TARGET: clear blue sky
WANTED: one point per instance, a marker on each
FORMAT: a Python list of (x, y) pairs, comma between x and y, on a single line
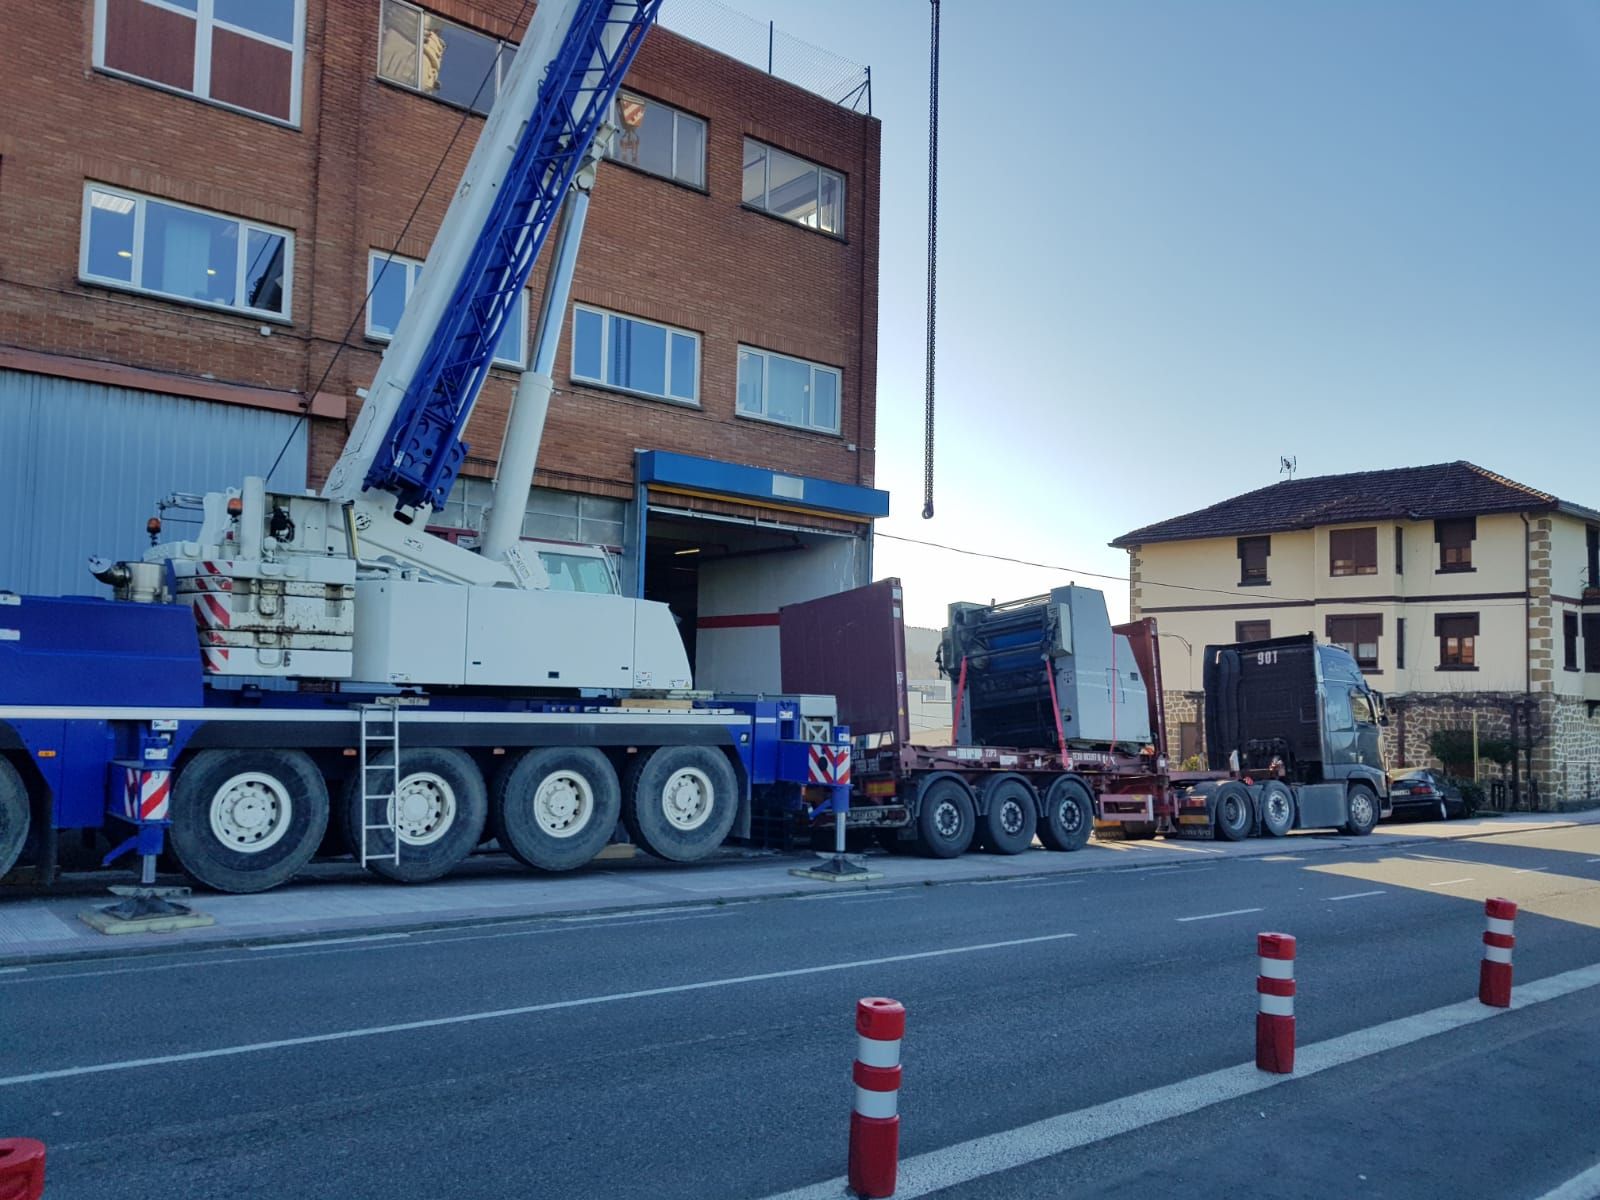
[(1181, 238)]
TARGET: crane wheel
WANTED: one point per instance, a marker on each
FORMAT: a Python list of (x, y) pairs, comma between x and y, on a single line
[(14, 817), (556, 808), (247, 820), (680, 802)]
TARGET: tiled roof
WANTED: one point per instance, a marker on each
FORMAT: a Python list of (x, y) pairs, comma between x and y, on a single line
[(1457, 489)]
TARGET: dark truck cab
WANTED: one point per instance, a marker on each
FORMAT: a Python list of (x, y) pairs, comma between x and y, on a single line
[(1298, 725)]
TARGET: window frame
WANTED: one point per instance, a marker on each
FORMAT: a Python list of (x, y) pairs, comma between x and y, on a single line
[(1240, 629), (141, 201), (1445, 533), (1466, 652), (766, 189), (678, 114), (1569, 641), (412, 267), (1243, 546), (766, 361), (1399, 643), (1399, 550), (416, 89), (205, 19), (1354, 644), (1358, 565), (605, 315)]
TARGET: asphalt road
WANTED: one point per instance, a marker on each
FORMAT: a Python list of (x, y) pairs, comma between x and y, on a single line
[(705, 1052)]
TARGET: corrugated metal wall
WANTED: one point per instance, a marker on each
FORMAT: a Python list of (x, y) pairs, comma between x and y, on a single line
[(82, 466)]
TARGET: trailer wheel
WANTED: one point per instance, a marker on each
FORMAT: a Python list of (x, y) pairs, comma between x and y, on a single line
[(1277, 808), (247, 820), (555, 809), (1010, 818), (439, 813), (1068, 815), (679, 802), (1362, 808), (14, 817), (945, 818), (1231, 812)]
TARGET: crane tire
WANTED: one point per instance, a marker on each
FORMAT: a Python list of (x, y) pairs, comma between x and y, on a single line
[(555, 808), (443, 807), (14, 817), (247, 820), (680, 802)]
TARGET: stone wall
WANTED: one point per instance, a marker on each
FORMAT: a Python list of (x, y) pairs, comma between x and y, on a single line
[(1184, 707)]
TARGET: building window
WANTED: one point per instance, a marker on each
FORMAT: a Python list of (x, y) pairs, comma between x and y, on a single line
[(1359, 636), (1455, 543), (1253, 555), (1591, 643), (635, 356), (1252, 631), (1399, 550), (1188, 740), (791, 391), (390, 282), (792, 188), (1399, 643), (1592, 579), (1569, 640), (246, 54), (1353, 551), (1458, 636), (172, 250), (439, 58), (659, 139)]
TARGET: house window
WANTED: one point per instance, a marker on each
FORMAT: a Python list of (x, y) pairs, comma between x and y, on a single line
[(1592, 580), (635, 356), (1399, 550), (1591, 643), (1569, 640), (246, 54), (1253, 554), (1359, 636), (791, 391), (439, 58), (1399, 643), (1353, 551), (1455, 543), (390, 282), (1252, 631), (659, 139), (793, 188), (1188, 740), (1458, 636), (147, 245)]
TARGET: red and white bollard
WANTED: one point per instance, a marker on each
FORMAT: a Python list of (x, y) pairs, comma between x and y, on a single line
[(1275, 1003), (1494, 973), (21, 1169), (875, 1121)]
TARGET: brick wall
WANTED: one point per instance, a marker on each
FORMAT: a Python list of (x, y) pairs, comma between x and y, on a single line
[(348, 179)]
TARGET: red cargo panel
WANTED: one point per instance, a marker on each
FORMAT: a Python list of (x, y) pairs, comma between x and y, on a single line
[(851, 646)]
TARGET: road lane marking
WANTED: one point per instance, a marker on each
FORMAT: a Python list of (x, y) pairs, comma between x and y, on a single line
[(1450, 882), (1044, 883), (936, 1170), (495, 1014), (1357, 895), (1579, 1187), (1529, 870), (337, 941), (855, 891), (1232, 912), (1564, 897), (637, 912), (993, 882), (12, 970)]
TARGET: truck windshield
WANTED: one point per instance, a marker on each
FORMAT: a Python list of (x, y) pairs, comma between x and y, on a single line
[(578, 573)]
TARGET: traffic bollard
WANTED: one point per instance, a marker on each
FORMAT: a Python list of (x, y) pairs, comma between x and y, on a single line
[(1275, 1003), (875, 1120), (21, 1169), (1494, 972)]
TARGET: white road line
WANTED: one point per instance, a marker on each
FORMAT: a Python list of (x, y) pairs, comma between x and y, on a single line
[(1579, 1187), (1448, 882), (1592, 860), (344, 1035), (994, 882), (638, 912), (12, 970), (1232, 912), (924, 1174), (1051, 883), (1358, 895), (855, 891), (1528, 870), (337, 941)]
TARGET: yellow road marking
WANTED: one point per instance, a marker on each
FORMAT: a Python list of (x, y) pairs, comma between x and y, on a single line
[(1564, 897)]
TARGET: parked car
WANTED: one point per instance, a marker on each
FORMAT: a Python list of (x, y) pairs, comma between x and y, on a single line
[(1424, 791)]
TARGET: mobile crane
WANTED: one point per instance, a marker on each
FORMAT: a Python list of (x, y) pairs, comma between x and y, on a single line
[(443, 695)]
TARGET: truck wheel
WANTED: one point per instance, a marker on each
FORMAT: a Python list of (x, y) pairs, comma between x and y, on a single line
[(945, 819), (1362, 808), (1008, 825), (1277, 808), (679, 802), (1231, 812), (247, 820), (14, 817), (439, 813), (1068, 815), (555, 809)]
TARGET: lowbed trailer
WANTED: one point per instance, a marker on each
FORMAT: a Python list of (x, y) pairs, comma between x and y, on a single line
[(108, 725)]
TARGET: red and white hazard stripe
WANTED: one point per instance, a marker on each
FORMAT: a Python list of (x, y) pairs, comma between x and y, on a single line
[(828, 764), (1275, 1003), (875, 1120), (147, 795), (1494, 972)]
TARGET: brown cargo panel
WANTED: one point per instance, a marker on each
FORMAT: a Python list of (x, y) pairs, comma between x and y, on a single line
[(851, 646)]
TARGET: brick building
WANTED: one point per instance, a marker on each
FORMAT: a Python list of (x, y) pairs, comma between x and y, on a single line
[(197, 195)]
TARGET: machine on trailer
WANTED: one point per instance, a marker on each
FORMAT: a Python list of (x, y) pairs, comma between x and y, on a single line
[(351, 663)]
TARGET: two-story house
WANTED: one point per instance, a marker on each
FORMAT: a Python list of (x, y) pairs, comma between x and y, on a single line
[(1467, 598)]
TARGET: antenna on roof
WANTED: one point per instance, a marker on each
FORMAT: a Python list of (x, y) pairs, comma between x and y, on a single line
[(1288, 466)]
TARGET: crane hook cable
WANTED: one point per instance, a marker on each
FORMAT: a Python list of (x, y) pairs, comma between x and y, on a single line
[(933, 247)]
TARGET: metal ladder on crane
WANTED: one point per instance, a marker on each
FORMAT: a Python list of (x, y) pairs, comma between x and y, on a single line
[(373, 718)]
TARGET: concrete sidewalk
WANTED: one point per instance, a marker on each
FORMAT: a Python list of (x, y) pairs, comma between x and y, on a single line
[(339, 898)]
